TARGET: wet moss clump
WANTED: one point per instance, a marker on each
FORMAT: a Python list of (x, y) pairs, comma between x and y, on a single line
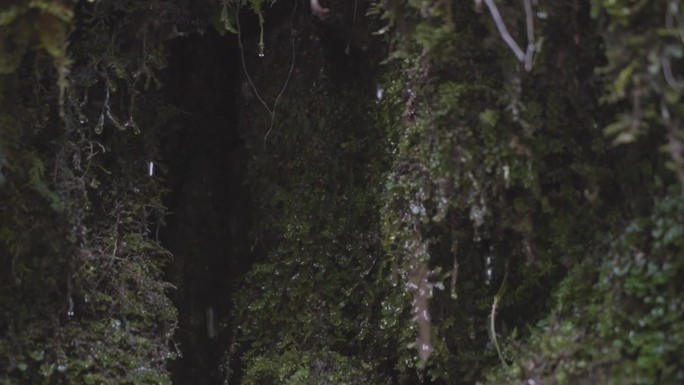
[(305, 312), (83, 299), (497, 181)]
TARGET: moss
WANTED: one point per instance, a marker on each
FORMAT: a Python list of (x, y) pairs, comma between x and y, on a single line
[(83, 296), (616, 323), (299, 368)]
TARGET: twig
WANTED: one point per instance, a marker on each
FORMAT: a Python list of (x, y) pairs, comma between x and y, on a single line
[(271, 111), (244, 66), (492, 316), (523, 57), (492, 331), (289, 74), (501, 26)]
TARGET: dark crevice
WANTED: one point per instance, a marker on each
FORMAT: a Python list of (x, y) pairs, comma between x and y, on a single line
[(209, 203)]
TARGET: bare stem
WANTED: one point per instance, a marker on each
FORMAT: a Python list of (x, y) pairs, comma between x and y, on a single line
[(503, 31)]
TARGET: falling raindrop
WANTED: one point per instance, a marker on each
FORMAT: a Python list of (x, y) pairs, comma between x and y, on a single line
[(379, 93), (70, 311), (542, 15), (100, 124), (489, 266), (506, 174), (150, 168)]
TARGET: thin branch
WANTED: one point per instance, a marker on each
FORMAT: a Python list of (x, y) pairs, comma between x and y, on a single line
[(271, 111), (523, 57), (529, 16), (289, 74), (244, 66), (492, 331), (501, 26)]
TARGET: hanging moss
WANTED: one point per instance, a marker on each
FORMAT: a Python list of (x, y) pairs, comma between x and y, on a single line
[(83, 299)]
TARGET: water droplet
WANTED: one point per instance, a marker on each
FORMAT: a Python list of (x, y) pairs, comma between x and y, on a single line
[(506, 174), (70, 313), (261, 50), (82, 119), (379, 94), (489, 266), (542, 15), (150, 168), (100, 124)]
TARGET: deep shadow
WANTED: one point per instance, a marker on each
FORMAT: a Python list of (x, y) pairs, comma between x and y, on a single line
[(208, 200)]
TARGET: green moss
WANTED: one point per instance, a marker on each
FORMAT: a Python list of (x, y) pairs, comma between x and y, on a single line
[(83, 297), (309, 300), (301, 368)]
